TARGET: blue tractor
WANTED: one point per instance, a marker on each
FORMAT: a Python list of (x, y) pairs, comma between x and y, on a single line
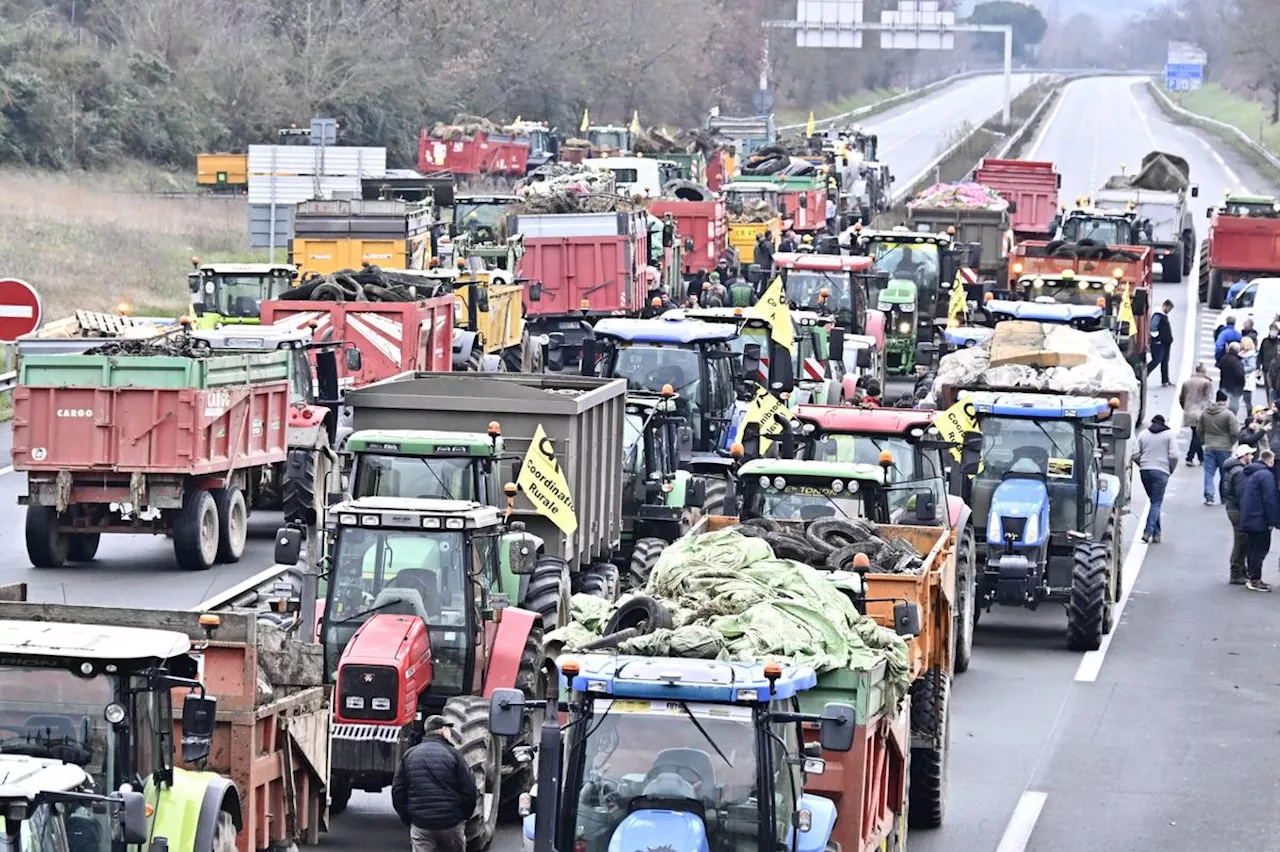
[(680, 754), (1051, 489)]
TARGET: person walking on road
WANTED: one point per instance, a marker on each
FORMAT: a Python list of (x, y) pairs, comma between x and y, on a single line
[(1231, 377), (1259, 514), (1219, 430), (1157, 459), (434, 791), (1247, 330), (1228, 334), (1161, 343), (1269, 362), (1232, 479), (1249, 360), (1195, 396)]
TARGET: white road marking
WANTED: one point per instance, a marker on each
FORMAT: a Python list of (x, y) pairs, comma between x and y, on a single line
[(1091, 663), (1142, 116), (4, 470), (1053, 116), (1018, 833)]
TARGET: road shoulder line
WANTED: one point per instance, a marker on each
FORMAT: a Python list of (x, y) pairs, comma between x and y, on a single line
[(1018, 833)]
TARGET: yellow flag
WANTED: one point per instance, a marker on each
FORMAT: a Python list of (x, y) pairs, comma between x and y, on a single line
[(762, 409), (544, 483), (955, 309), (955, 422), (773, 307), (810, 126), (1126, 310), (635, 123), (586, 119)]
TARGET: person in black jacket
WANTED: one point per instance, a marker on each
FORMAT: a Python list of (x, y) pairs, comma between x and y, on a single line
[(1259, 515), (434, 792), (1231, 377), (1161, 342), (1232, 480)]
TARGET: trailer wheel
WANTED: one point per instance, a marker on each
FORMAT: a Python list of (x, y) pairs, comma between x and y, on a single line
[(475, 360), (1188, 252), (548, 592), (599, 581), (83, 547), (514, 356), (1217, 295), (1086, 609), (930, 717), (966, 594), (643, 558), (1171, 271), (483, 755), (233, 523), (46, 547), (195, 531), (1114, 579), (1204, 271), (717, 493), (340, 789)]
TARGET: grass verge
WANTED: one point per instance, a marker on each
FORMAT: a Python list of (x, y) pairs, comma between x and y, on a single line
[(840, 107), (1222, 105)]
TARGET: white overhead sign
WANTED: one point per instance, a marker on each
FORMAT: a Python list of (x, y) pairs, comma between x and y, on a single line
[(918, 25), (1184, 53), (828, 23)]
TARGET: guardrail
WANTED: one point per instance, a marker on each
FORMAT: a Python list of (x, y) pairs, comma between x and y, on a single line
[(8, 378), (1214, 124)]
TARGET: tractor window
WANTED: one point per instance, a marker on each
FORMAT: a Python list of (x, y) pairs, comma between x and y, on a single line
[(648, 368), (482, 220), (800, 502), (904, 503), (300, 387), (484, 556), (805, 287), (1108, 231), (787, 780), (43, 831), (1069, 292), (240, 296), (1024, 445), (415, 476), (721, 390), (866, 449), (632, 446)]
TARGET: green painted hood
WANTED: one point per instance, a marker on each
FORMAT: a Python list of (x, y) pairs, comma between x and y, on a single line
[(423, 442), (899, 292)]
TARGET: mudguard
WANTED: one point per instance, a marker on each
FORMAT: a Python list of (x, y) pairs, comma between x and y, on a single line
[(186, 813), (1108, 491), (958, 511), (822, 821), (1019, 498), (306, 422), (875, 327), (464, 342), (711, 464), (508, 647), (659, 829)]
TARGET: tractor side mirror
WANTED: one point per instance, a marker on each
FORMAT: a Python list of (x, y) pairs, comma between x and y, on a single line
[(353, 359), (131, 822), (695, 493), (452, 230), (835, 345), (506, 712), (554, 357), (535, 291), (836, 730), (751, 362), (199, 717), (522, 556), (926, 506), (864, 357), (288, 546), (906, 619), (804, 201), (782, 370), (1195, 190), (1208, 212), (1121, 424)]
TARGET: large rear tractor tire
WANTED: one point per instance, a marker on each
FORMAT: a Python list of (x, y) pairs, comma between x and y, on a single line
[(83, 547), (233, 523), (643, 558), (717, 494), (340, 789), (298, 488), (599, 581), (966, 601), (930, 716), (195, 531), (1087, 607), (1204, 271), (482, 752), (475, 364), (548, 592), (46, 546)]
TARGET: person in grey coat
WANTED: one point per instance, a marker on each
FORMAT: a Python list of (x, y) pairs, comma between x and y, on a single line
[(1219, 431), (1194, 397), (1157, 459)]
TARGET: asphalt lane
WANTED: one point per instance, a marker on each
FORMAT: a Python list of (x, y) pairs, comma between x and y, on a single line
[(1161, 740)]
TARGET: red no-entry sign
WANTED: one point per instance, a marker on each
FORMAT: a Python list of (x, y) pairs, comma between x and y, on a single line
[(20, 309)]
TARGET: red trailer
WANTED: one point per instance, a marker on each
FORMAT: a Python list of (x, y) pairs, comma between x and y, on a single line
[(393, 337), (704, 222), (588, 266), (1031, 188), (471, 156), (1237, 246)]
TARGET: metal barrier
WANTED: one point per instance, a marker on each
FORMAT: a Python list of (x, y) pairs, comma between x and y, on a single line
[(9, 364), (1220, 126)]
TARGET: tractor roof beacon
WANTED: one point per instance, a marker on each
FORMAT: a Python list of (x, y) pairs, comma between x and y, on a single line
[(689, 795)]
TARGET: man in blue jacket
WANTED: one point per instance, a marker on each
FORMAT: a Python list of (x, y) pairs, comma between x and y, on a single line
[(1228, 334), (1259, 514)]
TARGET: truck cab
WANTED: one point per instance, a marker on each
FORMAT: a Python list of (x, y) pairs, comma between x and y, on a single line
[(637, 176), (231, 293)]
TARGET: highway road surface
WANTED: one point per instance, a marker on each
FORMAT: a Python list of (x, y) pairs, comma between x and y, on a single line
[(1165, 739)]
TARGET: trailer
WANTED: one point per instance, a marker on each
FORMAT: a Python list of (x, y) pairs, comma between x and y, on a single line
[(1031, 188), (1243, 242), (988, 227), (479, 154), (329, 236), (703, 222)]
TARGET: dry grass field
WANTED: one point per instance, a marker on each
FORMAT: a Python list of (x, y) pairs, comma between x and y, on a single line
[(94, 242)]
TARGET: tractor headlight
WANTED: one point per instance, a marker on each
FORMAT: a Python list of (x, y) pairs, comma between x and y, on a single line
[(904, 328), (995, 532), (1031, 531), (884, 307)]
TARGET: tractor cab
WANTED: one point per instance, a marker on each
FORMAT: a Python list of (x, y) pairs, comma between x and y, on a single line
[(1247, 207), (232, 293), (426, 464), (48, 803), (656, 449), (828, 284), (480, 218), (1104, 226), (869, 436), (746, 197), (679, 754)]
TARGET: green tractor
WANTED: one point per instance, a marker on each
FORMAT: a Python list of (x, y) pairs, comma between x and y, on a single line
[(899, 304), (232, 293)]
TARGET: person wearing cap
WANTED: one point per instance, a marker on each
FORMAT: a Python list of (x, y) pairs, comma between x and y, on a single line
[(1259, 515), (1232, 478), (714, 294), (1219, 432), (1156, 458), (434, 791)]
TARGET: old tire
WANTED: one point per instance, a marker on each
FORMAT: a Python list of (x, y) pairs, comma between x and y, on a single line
[(930, 716), (637, 611), (83, 547), (482, 753), (340, 789), (966, 606), (233, 523), (298, 488), (224, 833), (548, 592), (1217, 294), (1086, 609), (195, 531), (717, 493), (600, 581), (46, 547), (643, 558), (1204, 271)]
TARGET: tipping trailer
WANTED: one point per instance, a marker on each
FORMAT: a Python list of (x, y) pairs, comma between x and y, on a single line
[(800, 201), (167, 444), (479, 154), (1031, 188), (1159, 193), (1243, 242), (332, 235), (988, 227), (704, 222)]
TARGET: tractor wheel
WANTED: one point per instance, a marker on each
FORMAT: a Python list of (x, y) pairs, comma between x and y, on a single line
[(340, 789), (1217, 293), (224, 833), (1086, 610), (1188, 253), (643, 558), (1171, 272), (483, 755), (930, 717), (717, 493), (966, 616), (233, 523), (599, 581), (46, 546), (548, 592), (1111, 540), (83, 547), (475, 364), (514, 356), (298, 488), (195, 531), (529, 680), (1204, 271)]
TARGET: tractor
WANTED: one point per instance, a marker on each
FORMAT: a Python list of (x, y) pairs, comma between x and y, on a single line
[(1049, 503), (418, 622), (231, 293)]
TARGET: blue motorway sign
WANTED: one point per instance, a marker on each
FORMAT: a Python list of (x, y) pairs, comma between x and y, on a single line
[(1183, 77)]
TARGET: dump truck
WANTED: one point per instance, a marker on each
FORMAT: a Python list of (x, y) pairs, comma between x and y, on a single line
[(166, 444), (981, 218), (1243, 242), (589, 266), (233, 293), (252, 769), (475, 154), (801, 201), (329, 236), (223, 172), (1159, 192), (1031, 189)]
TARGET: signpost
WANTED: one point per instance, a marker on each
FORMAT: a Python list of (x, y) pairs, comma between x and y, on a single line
[(20, 309), (1184, 68)]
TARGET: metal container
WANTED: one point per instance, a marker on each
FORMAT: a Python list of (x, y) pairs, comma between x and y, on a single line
[(582, 416)]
